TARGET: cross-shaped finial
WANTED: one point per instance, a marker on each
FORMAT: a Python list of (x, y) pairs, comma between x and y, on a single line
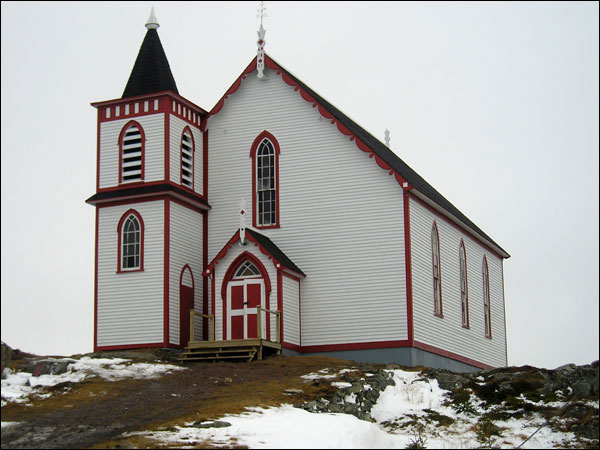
[(261, 12)]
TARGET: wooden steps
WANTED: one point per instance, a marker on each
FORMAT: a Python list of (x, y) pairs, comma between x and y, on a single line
[(240, 349)]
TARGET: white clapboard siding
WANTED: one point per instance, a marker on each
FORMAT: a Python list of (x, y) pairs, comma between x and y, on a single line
[(130, 305), (447, 333), (341, 214), (291, 310), (154, 154), (185, 247), (219, 274), (177, 126)]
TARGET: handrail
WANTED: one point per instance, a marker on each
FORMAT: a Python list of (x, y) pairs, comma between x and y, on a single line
[(259, 309), (211, 325)]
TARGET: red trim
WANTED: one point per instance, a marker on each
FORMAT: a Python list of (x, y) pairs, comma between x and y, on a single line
[(447, 354), (354, 346), (462, 249), (466, 230), (204, 279), (253, 149), (162, 108), (96, 284), (98, 152), (120, 234), (205, 164), (132, 346), (439, 314), (280, 302), (294, 347), (306, 96), (236, 237), (167, 228), (187, 266), (408, 262), (167, 135), (504, 302), (185, 317)]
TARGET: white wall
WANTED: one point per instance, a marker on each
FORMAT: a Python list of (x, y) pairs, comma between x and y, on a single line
[(447, 333), (291, 308), (185, 247), (341, 214), (154, 156), (130, 305)]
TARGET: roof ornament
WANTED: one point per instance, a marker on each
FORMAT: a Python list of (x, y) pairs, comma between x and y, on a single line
[(260, 54), (152, 23), (243, 222), (387, 138)]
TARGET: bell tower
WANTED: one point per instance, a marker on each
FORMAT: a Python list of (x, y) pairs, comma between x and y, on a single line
[(151, 208)]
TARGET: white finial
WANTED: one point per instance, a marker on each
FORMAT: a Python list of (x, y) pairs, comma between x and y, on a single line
[(260, 54), (387, 137), (152, 23), (243, 222)]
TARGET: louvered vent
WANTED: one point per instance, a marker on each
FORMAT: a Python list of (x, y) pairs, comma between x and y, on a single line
[(187, 160), (132, 155)]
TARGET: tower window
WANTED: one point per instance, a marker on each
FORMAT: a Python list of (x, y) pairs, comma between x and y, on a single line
[(187, 159), (132, 154), (131, 237)]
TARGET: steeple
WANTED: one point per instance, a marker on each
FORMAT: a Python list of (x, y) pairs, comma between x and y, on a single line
[(151, 72)]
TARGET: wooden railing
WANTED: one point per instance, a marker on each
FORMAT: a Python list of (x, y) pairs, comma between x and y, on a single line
[(277, 323), (211, 325)]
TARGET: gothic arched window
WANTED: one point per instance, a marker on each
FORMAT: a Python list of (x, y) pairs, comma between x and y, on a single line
[(265, 181), (131, 242), (464, 292), (437, 276), (487, 313)]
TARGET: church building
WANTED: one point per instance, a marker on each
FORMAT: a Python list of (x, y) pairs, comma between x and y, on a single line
[(274, 216)]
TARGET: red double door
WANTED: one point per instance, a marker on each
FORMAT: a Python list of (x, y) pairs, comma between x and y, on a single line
[(242, 299)]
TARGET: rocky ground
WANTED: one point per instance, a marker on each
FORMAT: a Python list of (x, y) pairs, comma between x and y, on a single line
[(95, 413)]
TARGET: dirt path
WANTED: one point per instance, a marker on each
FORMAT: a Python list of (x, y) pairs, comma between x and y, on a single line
[(95, 413)]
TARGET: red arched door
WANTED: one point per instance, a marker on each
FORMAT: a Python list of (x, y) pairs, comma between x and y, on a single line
[(245, 291), (186, 303)]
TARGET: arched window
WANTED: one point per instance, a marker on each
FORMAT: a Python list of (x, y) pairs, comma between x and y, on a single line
[(247, 269), (187, 158), (464, 293), (487, 316), (265, 181), (131, 146), (437, 275), (131, 241)]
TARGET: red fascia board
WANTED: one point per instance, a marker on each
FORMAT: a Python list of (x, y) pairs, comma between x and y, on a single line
[(138, 98)]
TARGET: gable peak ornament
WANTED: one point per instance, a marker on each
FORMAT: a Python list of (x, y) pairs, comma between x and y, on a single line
[(260, 54), (387, 137), (243, 222)]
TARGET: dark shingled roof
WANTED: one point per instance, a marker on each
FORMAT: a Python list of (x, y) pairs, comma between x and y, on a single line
[(274, 250), (151, 72), (390, 158)]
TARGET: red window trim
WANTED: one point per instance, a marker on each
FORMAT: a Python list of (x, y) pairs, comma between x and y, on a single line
[(441, 311), (121, 135), (120, 235), (253, 149), (489, 299), (463, 249), (187, 128)]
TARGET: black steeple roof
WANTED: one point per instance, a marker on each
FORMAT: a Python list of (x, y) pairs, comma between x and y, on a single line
[(151, 72)]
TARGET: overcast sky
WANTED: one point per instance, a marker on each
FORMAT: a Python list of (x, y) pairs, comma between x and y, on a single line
[(494, 104)]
